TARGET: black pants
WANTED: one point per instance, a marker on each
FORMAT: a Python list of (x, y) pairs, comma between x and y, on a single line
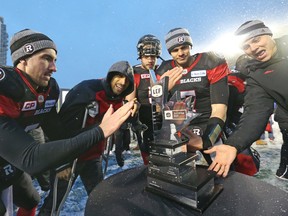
[(145, 116), (24, 194), (284, 148), (122, 140)]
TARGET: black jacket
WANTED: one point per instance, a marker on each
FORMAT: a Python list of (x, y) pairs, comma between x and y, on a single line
[(266, 84)]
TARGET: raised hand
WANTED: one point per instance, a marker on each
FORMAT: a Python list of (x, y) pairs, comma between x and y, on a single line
[(174, 75), (113, 120)]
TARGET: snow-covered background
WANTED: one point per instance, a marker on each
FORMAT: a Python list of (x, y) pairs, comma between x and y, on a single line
[(270, 157)]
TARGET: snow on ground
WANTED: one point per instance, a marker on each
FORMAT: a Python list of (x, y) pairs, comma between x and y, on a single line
[(76, 201), (270, 157)]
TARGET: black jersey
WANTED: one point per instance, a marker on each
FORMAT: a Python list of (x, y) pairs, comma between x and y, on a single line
[(206, 79), (142, 83), (22, 108), (25, 104)]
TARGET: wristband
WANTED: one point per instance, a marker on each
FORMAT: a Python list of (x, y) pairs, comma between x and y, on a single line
[(213, 130)]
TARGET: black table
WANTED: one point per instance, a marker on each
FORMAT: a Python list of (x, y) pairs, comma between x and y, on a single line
[(124, 194)]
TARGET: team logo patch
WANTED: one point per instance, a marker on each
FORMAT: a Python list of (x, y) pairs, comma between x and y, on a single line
[(28, 48), (145, 76), (2, 74), (199, 73), (50, 103), (175, 114), (29, 105), (181, 39), (40, 98), (196, 130), (156, 91), (268, 71), (184, 72), (94, 110)]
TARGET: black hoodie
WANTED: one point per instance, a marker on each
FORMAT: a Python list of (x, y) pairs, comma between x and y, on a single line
[(86, 92), (123, 68)]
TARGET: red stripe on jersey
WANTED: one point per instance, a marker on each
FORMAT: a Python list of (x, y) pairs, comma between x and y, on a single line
[(45, 95), (9, 108), (217, 73), (137, 79)]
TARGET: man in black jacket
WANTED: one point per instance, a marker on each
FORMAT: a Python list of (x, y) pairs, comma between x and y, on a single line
[(28, 96), (266, 83)]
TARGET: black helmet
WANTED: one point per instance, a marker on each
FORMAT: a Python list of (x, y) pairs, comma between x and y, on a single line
[(148, 45)]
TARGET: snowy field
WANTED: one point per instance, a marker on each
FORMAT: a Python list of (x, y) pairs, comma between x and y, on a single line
[(270, 157), (76, 201)]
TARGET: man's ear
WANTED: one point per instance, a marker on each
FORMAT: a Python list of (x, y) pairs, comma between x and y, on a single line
[(23, 61)]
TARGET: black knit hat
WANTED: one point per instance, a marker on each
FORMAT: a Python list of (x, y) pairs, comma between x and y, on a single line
[(252, 29), (177, 37), (26, 42)]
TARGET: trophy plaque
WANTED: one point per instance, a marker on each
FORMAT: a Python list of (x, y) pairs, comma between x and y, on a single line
[(172, 171)]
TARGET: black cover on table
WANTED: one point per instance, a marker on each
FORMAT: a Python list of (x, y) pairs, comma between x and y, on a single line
[(124, 194)]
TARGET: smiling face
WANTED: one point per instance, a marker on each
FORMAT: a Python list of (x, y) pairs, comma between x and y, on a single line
[(40, 66), (119, 83), (261, 48), (181, 54)]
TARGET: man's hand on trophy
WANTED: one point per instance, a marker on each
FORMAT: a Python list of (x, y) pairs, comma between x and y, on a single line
[(174, 75), (225, 155), (136, 107), (195, 142)]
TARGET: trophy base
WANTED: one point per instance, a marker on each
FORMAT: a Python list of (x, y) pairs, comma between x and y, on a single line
[(175, 169), (197, 192)]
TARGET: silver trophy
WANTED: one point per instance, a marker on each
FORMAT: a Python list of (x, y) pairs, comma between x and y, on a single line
[(172, 171)]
